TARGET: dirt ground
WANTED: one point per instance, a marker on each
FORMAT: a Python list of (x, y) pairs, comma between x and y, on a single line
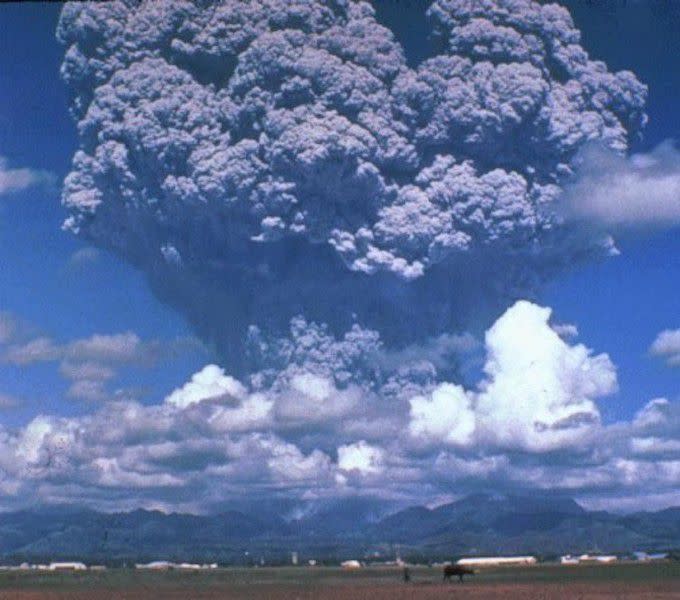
[(628, 582), (371, 592)]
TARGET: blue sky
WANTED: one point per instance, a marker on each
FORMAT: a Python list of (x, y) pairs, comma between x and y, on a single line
[(55, 289), (621, 304), (38, 282)]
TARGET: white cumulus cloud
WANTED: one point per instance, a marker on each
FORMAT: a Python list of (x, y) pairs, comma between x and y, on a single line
[(447, 415), (216, 437), (641, 190), (538, 393), (362, 457), (208, 384)]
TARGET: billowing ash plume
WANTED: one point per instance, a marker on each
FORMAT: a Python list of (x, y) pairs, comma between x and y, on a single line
[(263, 160)]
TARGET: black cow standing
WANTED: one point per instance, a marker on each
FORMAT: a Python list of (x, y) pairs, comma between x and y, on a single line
[(456, 571)]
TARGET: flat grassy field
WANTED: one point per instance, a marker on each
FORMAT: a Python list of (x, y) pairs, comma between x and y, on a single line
[(658, 581)]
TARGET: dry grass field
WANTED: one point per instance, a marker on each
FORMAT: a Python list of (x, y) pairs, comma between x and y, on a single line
[(626, 581)]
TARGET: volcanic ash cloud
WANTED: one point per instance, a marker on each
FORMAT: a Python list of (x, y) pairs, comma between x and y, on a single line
[(270, 159)]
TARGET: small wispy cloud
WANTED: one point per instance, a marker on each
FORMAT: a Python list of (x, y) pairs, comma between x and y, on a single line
[(86, 370), (89, 364), (667, 346), (117, 348), (41, 349), (7, 401), (90, 390), (565, 330), (88, 379), (8, 327), (83, 257), (16, 180)]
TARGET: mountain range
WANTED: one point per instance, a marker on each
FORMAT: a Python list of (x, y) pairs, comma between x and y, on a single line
[(476, 524)]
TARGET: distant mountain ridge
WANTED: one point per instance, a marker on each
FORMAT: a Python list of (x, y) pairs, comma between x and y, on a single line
[(477, 524)]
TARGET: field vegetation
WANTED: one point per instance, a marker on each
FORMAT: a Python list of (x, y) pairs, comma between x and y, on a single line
[(659, 581)]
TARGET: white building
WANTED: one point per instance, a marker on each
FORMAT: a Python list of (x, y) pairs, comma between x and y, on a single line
[(350, 564), (157, 565), (597, 558), (67, 566), (488, 561), (164, 565), (569, 560)]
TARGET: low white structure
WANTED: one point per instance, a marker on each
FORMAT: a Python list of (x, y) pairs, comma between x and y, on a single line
[(569, 560), (597, 558), (67, 566), (643, 556), (350, 564), (488, 561), (157, 565), (165, 565)]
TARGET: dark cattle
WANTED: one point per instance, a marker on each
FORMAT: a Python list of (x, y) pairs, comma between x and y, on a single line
[(456, 571)]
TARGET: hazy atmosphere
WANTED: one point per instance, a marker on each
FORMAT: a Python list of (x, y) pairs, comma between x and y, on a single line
[(290, 252)]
